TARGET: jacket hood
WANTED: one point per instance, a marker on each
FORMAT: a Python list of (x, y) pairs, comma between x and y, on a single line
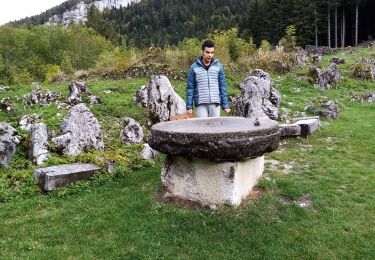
[(199, 62)]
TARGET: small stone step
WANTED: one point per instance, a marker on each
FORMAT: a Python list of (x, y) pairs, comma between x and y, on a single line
[(308, 126), (290, 130), (53, 177)]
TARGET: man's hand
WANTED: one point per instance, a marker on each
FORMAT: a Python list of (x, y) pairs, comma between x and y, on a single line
[(227, 110), (189, 111)]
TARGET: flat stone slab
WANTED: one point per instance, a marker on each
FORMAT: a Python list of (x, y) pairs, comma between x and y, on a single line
[(209, 182), (229, 138), (290, 130), (308, 126), (53, 177)]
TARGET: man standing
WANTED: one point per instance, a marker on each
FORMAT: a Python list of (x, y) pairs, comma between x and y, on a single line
[(206, 85)]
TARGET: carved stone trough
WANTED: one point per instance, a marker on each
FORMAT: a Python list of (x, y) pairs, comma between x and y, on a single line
[(213, 160)]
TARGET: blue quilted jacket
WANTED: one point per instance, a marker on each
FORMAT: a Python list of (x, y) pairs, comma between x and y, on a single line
[(206, 86)]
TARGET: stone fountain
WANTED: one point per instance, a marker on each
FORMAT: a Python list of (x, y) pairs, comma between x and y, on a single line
[(213, 160)]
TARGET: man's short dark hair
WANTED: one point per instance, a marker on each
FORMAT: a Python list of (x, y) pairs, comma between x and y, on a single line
[(208, 44)]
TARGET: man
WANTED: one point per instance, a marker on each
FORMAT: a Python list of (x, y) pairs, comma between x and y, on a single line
[(206, 85)]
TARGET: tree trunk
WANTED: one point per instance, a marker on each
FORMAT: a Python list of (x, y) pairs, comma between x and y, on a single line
[(356, 25), (329, 27), (316, 29), (343, 29), (336, 27)]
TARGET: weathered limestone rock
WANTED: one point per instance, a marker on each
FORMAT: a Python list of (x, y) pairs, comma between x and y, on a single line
[(53, 177), (301, 57), (216, 138), (28, 120), (324, 79), (38, 148), (337, 60), (94, 100), (132, 133), (368, 97), (259, 97), (37, 97), (8, 143), (308, 126), (210, 182), (160, 99), (4, 88), (290, 130), (364, 71), (5, 105), (329, 109), (80, 132), (148, 153)]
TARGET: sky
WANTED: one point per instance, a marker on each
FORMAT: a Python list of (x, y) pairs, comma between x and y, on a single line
[(11, 10)]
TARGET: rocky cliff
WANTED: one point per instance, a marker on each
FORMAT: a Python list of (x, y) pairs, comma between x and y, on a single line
[(79, 12)]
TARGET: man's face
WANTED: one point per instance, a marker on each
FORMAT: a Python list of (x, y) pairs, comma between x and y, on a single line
[(208, 54)]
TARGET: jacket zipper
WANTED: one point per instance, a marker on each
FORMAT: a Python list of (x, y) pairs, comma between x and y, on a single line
[(209, 89)]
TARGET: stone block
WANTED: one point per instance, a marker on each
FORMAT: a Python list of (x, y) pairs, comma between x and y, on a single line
[(53, 177), (308, 126), (210, 182), (290, 130)]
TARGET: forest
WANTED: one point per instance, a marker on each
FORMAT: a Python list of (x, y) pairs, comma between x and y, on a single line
[(333, 23), (115, 39)]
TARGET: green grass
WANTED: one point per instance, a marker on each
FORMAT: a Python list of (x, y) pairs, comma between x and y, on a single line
[(120, 215), (124, 219)]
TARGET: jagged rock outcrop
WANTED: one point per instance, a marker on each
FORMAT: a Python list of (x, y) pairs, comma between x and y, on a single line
[(160, 99), (8, 143), (28, 120), (324, 107), (77, 89), (37, 97), (259, 97), (80, 132), (79, 12), (4, 88), (337, 60), (132, 133), (148, 153), (324, 79), (5, 105), (367, 97), (38, 146), (364, 71)]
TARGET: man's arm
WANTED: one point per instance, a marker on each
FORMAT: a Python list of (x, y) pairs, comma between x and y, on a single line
[(223, 91), (190, 86)]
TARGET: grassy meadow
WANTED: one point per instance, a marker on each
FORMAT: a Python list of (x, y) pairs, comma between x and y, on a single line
[(331, 173)]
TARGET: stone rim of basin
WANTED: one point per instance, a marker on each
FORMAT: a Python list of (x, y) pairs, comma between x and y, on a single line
[(229, 138)]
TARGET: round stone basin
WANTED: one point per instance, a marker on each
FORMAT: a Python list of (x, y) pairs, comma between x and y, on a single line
[(227, 138)]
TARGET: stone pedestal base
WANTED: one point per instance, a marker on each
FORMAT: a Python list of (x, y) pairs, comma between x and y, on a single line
[(209, 182)]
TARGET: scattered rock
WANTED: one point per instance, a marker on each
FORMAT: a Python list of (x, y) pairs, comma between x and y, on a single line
[(324, 79), (365, 60), (148, 153), (337, 60), (28, 120), (296, 90), (368, 97), (301, 57), (8, 143), (80, 132), (160, 99), (308, 126), (132, 133), (5, 105), (53, 177), (4, 88), (94, 100), (281, 67), (259, 97), (37, 97), (324, 107), (77, 88), (38, 148), (363, 71), (287, 130)]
